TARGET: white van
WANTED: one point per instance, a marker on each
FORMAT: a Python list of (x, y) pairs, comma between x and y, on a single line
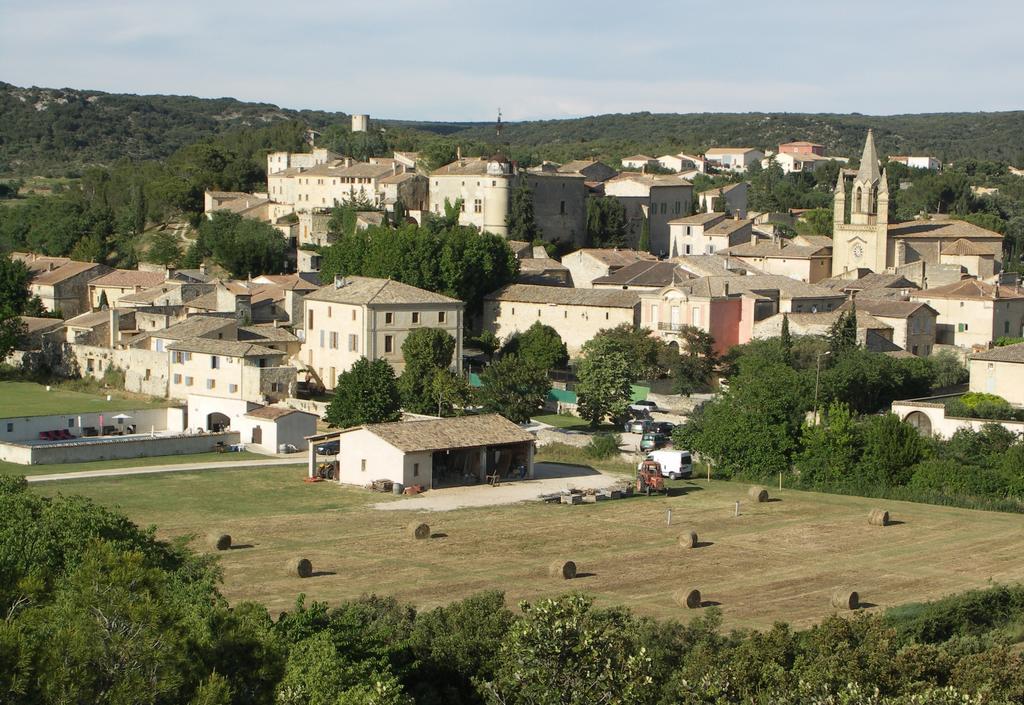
[(675, 464)]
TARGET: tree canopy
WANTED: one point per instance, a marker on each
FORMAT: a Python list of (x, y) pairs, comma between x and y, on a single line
[(365, 393)]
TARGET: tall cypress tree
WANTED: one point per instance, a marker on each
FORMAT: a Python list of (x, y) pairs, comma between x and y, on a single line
[(786, 340), (522, 225)]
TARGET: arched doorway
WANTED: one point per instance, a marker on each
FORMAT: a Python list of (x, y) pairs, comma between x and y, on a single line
[(217, 422), (920, 421)]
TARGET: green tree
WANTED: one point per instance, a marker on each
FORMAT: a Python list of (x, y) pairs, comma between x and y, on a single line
[(365, 393), (842, 334), (452, 393), (603, 382), (644, 244), (522, 224), (164, 248), (752, 431), (14, 300), (540, 345), (606, 222), (696, 363), (947, 370), (426, 351), (643, 350), (566, 652), (242, 246), (891, 448), (786, 340), (514, 388), (830, 451)]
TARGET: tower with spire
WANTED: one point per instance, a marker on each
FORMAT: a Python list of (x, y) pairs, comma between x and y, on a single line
[(860, 231)]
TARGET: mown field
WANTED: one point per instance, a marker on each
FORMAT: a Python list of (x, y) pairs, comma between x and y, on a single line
[(777, 561), (21, 399)]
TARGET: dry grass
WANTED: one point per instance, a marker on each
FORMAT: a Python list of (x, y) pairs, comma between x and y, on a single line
[(779, 560)]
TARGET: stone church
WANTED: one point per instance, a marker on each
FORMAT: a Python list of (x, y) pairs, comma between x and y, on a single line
[(931, 251)]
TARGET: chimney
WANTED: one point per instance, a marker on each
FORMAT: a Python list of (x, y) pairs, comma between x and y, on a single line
[(114, 321), (458, 153), (339, 281), (202, 267)]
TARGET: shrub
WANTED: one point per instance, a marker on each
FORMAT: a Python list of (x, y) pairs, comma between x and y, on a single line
[(604, 445)]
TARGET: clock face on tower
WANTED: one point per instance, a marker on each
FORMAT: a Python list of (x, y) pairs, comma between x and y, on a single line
[(858, 251)]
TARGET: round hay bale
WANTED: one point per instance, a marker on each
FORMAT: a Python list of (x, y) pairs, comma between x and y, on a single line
[(566, 570), (419, 530), (845, 599), (688, 539), (299, 567), (688, 598), (758, 494), (878, 517), (220, 542)]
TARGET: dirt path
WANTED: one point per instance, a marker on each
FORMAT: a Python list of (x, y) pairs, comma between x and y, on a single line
[(548, 479)]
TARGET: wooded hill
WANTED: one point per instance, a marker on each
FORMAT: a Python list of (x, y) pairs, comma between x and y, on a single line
[(56, 131)]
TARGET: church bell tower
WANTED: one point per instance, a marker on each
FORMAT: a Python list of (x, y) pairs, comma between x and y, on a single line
[(860, 240)]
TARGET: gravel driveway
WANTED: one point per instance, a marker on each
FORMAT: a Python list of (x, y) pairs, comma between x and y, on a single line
[(549, 478)]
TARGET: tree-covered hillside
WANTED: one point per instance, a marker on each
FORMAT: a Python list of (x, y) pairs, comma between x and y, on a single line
[(51, 131), (57, 131), (948, 136)]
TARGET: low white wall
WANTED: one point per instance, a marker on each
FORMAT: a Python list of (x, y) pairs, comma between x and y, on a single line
[(115, 449), (946, 426), (28, 428)]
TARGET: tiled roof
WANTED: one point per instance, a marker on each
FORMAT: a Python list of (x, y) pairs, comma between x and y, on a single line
[(782, 248), (474, 166), (65, 272), (194, 326), (963, 247), (970, 289), (274, 334), (645, 273), (757, 284), (1005, 353), (125, 278), (34, 324), (705, 219), (614, 257), (455, 432), (727, 226), (942, 227), (874, 280), (228, 348), (274, 412), (886, 308), (371, 291), (564, 296), (714, 265), (826, 319), (541, 264), (728, 150)]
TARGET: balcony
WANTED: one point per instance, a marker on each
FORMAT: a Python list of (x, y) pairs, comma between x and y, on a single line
[(672, 327)]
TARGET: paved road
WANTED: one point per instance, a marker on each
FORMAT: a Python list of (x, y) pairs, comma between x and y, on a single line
[(152, 469)]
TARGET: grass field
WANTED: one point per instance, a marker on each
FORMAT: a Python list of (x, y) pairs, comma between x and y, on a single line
[(212, 458), (778, 560), (21, 399)]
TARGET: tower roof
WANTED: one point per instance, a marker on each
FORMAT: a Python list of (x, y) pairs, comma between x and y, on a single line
[(869, 162)]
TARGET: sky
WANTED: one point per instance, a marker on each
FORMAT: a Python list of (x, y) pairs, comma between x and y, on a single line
[(533, 59)]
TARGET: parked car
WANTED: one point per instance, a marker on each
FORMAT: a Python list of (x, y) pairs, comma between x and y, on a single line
[(639, 426), (652, 441), (644, 405), (675, 464), (665, 427), (329, 448)]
